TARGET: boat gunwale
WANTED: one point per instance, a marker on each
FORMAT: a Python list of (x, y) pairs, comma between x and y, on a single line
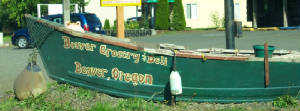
[(128, 45)]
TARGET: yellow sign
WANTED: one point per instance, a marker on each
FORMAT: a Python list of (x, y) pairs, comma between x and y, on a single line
[(113, 3)]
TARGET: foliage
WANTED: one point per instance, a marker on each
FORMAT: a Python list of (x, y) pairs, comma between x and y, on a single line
[(7, 39), (114, 28), (217, 20), (62, 87), (178, 18), (137, 104), (132, 25), (162, 15), (39, 103), (106, 24), (85, 93), (233, 109), (144, 23), (8, 104), (102, 107), (12, 11), (285, 101)]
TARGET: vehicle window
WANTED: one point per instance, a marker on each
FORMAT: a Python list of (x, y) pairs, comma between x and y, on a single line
[(75, 19), (57, 20), (92, 18)]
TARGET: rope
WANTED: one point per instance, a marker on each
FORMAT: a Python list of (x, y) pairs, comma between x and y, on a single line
[(156, 93), (203, 57), (236, 51), (32, 60)]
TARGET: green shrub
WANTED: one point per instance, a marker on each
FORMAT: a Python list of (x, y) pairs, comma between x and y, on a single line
[(132, 25), (217, 20), (106, 24), (162, 15), (178, 18), (114, 28), (285, 101), (144, 23)]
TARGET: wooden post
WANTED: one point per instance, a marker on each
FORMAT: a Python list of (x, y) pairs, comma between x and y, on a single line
[(284, 10), (254, 13), (267, 81), (120, 22), (66, 10), (173, 101)]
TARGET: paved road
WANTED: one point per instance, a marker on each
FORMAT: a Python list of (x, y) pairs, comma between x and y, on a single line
[(288, 39), (12, 63)]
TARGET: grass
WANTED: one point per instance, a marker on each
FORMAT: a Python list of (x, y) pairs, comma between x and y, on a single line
[(7, 39), (65, 97)]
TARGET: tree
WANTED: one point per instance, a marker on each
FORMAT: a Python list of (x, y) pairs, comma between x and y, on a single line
[(17, 8), (162, 15), (4, 18), (106, 24), (14, 10), (178, 18)]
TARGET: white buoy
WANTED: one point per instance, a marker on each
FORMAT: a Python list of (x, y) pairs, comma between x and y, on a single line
[(175, 79), (175, 83)]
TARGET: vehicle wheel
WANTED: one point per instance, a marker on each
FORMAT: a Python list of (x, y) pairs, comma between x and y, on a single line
[(22, 42)]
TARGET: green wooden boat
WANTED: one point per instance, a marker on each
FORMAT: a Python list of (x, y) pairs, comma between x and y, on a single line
[(121, 68)]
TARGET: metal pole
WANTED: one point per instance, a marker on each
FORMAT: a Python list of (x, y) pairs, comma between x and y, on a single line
[(229, 16), (254, 13), (66, 10), (284, 10), (152, 16)]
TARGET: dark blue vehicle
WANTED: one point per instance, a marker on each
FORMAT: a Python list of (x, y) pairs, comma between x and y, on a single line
[(89, 22), (21, 38)]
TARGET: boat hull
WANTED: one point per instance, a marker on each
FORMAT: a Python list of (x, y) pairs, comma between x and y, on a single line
[(126, 70)]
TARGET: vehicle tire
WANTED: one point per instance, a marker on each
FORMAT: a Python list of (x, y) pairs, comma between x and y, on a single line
[(22, 42)]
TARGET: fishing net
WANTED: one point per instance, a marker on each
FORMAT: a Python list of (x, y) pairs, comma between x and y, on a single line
[(39, 29)]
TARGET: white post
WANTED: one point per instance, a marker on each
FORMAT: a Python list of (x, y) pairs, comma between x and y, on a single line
[(1, 39), (66, 10), (39, 10), (76, 8)]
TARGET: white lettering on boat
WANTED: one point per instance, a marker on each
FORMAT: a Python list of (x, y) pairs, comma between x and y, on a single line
[(77, 45), (116, 74), (91, 71), (135, 78), (107, 52), (119, 54), (114, 53)]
